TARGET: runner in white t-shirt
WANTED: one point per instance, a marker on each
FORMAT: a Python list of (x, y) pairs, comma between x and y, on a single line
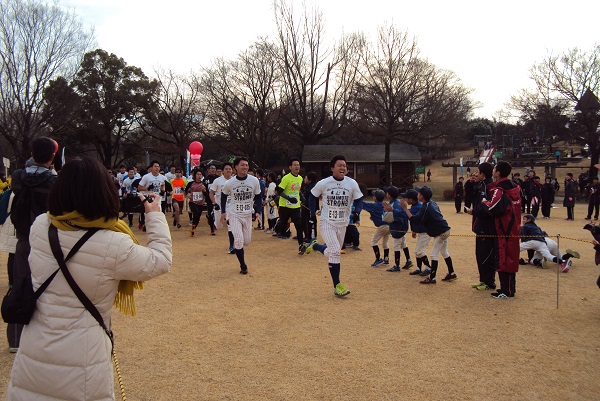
[(153, 182), (241, 190), (338, 194)]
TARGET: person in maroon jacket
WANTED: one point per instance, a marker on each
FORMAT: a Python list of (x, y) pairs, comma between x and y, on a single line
[(505, 207)]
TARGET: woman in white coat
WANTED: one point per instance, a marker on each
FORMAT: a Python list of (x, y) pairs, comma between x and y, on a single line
[(64, 353), (8, 244)]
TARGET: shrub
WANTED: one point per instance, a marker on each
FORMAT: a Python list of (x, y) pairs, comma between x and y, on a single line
[(448, 194), (425, 159)]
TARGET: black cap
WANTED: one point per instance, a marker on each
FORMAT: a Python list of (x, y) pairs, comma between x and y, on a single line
[(529, 216), (425, 191), (411, 193)]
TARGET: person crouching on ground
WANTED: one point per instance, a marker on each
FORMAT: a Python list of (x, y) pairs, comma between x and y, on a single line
[(436, 227), (534, 238)]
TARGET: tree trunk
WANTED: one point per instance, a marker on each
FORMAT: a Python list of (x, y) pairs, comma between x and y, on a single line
[(388, 180)]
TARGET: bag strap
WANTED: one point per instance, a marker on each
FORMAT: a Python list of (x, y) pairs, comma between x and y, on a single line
[(58, 254), (75, 248)]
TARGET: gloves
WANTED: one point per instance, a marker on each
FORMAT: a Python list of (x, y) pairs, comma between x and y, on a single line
[(216, 207), (292, 200)]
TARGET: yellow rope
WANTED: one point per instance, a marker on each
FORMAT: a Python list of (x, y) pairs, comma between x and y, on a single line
[(496, 236), (119, 378)]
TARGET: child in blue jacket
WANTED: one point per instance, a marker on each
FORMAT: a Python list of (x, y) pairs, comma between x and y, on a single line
[(436, 227), (398, 230), (382, 231), (418, 232)]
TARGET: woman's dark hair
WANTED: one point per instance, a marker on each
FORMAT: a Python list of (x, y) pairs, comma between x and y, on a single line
[(312, 176), (272, 177), (83, 185)]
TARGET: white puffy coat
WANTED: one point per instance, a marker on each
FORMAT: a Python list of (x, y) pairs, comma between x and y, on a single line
[(8, 236), (64, 353)]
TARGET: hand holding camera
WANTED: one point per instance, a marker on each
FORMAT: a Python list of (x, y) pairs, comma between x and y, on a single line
[(149, 203)]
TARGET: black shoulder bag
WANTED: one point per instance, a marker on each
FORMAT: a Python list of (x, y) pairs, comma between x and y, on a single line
[(19, 303), (58, 254)]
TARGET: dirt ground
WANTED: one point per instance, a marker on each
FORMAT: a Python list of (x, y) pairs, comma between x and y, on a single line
[(205, 332)]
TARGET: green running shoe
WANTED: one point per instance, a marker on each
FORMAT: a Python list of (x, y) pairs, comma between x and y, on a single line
[(341, 290), (309, 248), (573, 253)]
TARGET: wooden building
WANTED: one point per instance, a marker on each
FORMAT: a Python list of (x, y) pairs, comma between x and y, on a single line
[(366, 163)]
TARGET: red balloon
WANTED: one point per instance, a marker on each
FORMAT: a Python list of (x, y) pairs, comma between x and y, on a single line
[(196, 148)]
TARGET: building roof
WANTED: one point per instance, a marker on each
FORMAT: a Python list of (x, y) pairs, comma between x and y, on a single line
[(588, 102), (361, 153)]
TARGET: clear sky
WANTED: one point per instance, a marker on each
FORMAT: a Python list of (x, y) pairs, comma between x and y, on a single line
[(490, 45)]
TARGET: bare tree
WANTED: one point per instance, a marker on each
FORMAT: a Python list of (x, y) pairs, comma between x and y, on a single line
[(567, 77), (243, 102), (317, 79), (38, 42), (403, 98), (176, 116)]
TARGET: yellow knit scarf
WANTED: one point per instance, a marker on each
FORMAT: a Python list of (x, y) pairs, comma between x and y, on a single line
[(73, 221)]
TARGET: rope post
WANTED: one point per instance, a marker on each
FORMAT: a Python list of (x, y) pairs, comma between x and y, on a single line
[(557, 269)]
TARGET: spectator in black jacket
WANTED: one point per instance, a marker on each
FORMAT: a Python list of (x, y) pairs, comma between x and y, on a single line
[(525, 194), (459, 193), (470, 188), (593, 191), (483, 225), (547, 197), (536, 195), (569, 201)]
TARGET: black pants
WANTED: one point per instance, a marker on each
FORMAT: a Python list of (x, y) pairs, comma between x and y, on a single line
[(546, 207), (210, 216), (593, 207), (352, 235), (196, 213), (458, 204), (486, 253), (285, 213), (508, 283), (11, 268), (535, 209), (570, 213), (307, 226)]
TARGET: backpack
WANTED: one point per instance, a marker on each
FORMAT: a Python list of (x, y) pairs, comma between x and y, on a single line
[(28, 203), (4, 201)]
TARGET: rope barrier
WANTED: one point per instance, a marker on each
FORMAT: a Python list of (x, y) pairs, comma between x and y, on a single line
[(497, 236), (119, 378)]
